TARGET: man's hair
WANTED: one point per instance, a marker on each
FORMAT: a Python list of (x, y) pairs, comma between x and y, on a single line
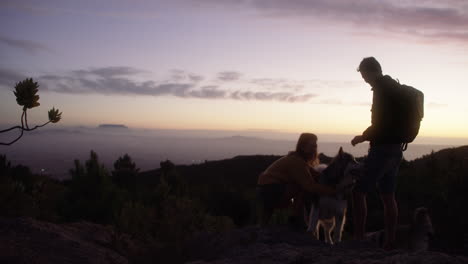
[(369, 64)]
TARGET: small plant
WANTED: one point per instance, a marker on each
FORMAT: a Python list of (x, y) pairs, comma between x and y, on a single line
[(26, 96)]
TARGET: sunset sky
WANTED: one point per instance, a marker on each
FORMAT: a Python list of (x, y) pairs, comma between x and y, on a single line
[(233, 65)]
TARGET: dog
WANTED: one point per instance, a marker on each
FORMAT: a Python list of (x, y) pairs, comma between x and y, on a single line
[(414, 237), (330, 211)]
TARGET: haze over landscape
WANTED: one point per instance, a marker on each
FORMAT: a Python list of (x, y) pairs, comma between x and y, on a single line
[(53, 150)]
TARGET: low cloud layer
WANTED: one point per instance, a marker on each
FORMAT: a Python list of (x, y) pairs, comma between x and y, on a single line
[(28, 46), (182, 84), (121, 81), (8, 78), (228, 76)]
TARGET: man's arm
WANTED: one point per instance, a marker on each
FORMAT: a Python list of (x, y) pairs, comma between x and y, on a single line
[(366, 135), (369, 133)]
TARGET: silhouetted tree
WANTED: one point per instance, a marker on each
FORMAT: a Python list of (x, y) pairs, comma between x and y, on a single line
[(177, 184), (26, 96), (16, 185), (166, 166), (92, 194), (125, 173)]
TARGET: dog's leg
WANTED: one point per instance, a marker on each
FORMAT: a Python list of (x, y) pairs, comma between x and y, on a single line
[(340, 221), (316, 233), (317, 230), (313, 221), (329, 224)]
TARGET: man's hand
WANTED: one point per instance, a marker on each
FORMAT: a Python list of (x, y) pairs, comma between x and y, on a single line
[(356, 140)]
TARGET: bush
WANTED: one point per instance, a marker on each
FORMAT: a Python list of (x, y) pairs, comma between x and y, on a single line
[(24, 194), (92, 196)]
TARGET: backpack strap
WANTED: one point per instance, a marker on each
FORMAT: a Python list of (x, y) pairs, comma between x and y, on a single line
[(404, 146)]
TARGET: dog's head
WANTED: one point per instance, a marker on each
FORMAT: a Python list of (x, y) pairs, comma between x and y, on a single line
[(422, 221), (342, 171), (422, 230)]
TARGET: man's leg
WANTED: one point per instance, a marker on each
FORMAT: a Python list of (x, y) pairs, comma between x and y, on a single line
[(387, 186), (390, 219), (359, 214), (374, 168)]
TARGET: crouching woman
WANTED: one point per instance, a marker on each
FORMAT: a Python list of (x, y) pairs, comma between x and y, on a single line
[(291, 181)]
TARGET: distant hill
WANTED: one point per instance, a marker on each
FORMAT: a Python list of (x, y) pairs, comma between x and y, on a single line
[(240, 171), (113, 126), (244, 170), (233, 173), (445, 158)]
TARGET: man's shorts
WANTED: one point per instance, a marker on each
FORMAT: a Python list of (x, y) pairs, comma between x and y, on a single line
[(380, 168)]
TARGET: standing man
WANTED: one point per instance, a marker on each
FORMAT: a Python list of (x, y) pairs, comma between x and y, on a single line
[(385, 152)]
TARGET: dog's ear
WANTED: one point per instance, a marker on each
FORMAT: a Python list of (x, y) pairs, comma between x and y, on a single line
[(340, 152)]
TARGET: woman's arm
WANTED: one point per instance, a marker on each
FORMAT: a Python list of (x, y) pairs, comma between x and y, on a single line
[(303, 177)]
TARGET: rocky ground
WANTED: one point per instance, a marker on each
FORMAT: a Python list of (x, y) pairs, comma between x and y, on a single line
[(281, 245), (25, 240)]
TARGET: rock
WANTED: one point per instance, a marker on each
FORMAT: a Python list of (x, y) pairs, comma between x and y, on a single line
[(25, 240)]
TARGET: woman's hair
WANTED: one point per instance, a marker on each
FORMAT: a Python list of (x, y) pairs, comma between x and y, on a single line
[(305, 138)]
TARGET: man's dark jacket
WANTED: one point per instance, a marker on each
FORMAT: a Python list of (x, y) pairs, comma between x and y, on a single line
[(385, 112)]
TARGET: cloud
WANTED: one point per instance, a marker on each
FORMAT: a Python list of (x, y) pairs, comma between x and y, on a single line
[(331, 101), (30, 47), (8, 78), (268, 96), (229, 76), (111, 71), (120, 81), (208, 92), (177, 75), (444, 20), (279, 84), (195, 78), (114, 9), (78, 83), (274, 84), (430, 19)]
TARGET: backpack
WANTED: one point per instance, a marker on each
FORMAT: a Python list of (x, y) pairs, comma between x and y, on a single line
[(411, 105)]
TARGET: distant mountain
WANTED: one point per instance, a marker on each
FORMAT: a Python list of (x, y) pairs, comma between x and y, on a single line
[(113, 126)]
